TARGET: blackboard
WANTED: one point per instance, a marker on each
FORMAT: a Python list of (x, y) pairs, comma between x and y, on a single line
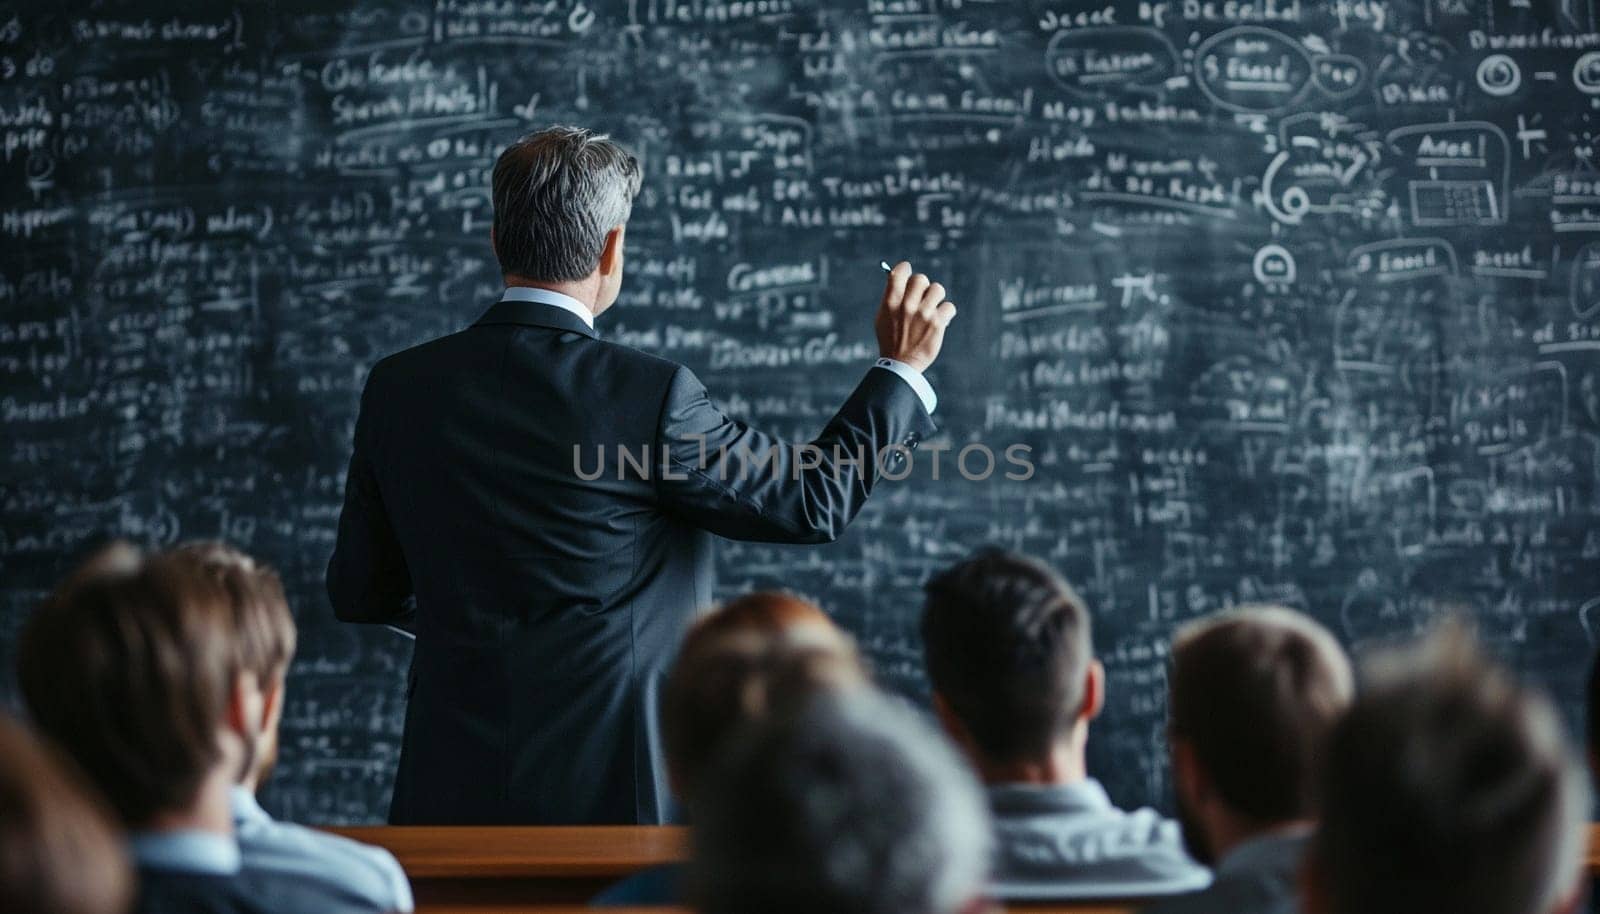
[(1293, 301)]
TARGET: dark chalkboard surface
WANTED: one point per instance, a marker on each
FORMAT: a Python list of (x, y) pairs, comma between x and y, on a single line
[(1293, 301)]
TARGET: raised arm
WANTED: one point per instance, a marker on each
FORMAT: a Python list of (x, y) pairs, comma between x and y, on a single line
[(741, 483)]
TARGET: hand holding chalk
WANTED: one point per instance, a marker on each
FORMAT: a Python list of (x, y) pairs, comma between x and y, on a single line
[(912, 317)]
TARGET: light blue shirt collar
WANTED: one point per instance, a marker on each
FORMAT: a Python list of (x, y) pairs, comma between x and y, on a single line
[(190, 851), (548, 297), (242, 802)]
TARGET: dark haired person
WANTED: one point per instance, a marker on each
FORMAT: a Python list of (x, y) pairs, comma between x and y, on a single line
[(349, 876), (850, 805), (548, 580), (1015, 683), (1448, 786), (60, 853), (762, 654), (132, 668), (1252, 695)]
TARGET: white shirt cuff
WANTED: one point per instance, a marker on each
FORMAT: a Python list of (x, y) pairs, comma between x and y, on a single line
[(930, 400)]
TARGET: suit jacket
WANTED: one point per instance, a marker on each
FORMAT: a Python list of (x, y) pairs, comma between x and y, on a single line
[(164, 891), (548, 604)]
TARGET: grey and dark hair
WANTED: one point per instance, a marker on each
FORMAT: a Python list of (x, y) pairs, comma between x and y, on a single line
[(557, 192), (1449, 786), (852, 805)]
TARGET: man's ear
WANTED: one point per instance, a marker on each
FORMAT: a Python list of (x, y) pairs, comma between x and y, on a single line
[(1094, 691), (611, 254), (494, 247), (245, 708), (1188, 779), (272, 703)]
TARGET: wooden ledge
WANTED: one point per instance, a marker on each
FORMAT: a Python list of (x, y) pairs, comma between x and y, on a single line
[(525, 852)]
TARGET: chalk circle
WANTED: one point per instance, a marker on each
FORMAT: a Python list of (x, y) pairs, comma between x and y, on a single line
[(1296, 202), (1586, 281), (1586, 73), (1273, 265), (1499, 75)]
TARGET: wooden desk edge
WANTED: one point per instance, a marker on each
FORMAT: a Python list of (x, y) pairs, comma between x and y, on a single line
[(486, 852), (502, 852)]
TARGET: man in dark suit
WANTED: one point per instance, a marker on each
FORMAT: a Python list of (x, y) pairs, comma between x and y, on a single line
[(552, 573)]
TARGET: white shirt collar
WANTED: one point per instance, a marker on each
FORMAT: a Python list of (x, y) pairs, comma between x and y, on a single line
[(548, 297)]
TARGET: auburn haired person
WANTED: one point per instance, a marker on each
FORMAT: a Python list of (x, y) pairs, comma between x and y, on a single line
[(758, 655)]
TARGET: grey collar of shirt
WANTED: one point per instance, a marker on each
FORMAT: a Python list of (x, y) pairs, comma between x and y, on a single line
[(548, 297), (1080, 796), (1279, 849), (186, 851)]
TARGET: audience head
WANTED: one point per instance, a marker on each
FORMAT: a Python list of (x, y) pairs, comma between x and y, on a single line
[(266, 637), (59, 851), (760, 654), (1447, 787), (1008, 652), (133, 668), (561, 198), (1253, 693), (851, 806)]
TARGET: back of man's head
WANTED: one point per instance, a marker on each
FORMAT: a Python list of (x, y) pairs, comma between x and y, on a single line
[(1008, 650), (261, 614), (1447, 787), (1253, 694), (266, 637), (59, 851), (130, 667), (850, 806), (761, 654), (557, 193)]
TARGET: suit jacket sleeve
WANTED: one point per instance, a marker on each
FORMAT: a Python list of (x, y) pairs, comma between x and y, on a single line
[(743, 484), (367, 577)]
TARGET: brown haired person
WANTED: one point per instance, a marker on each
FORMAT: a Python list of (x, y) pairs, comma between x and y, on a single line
[(1448, 786), (1015, 684), (1253, 693), (756, 656), (548, 596), (134, 668), (352, 876), (60, 852)]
